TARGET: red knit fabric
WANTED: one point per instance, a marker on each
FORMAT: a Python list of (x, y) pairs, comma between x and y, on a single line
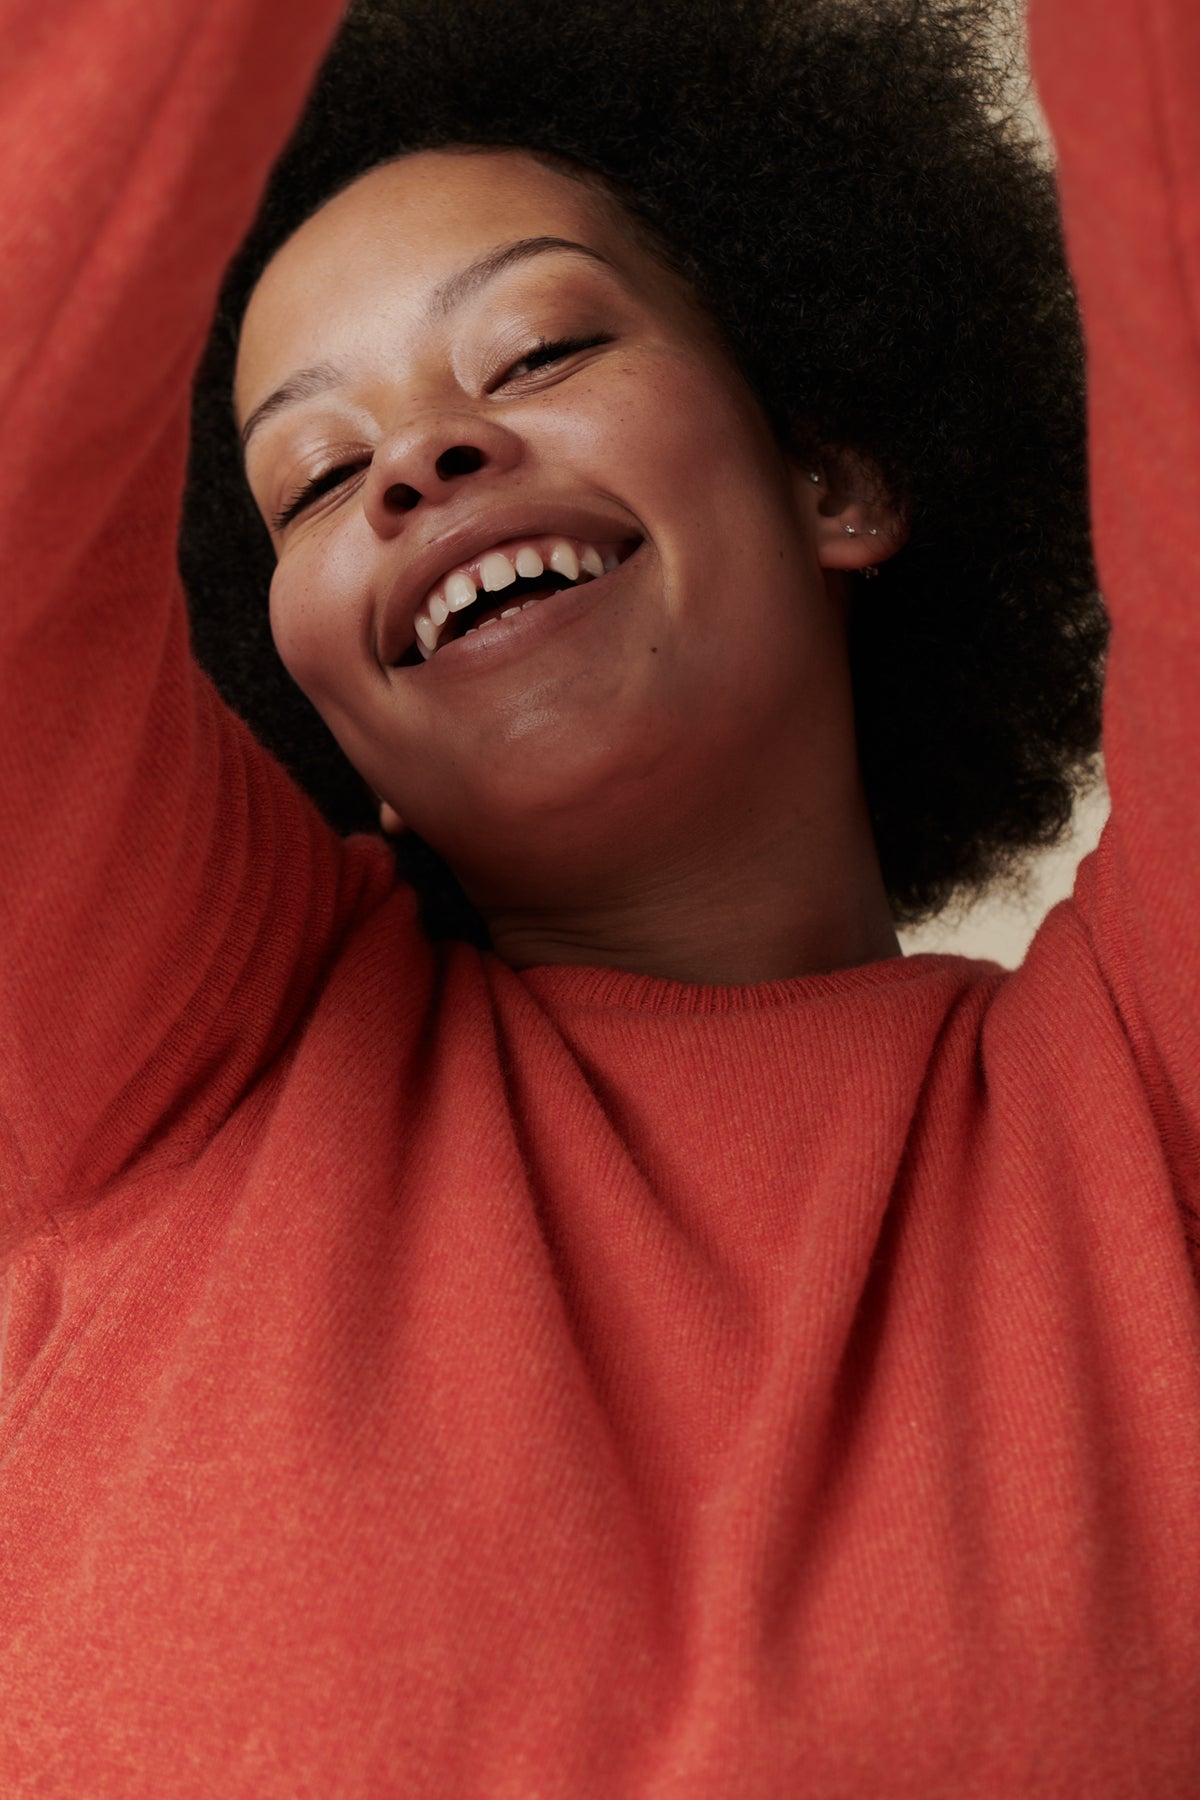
[(423, 1379)]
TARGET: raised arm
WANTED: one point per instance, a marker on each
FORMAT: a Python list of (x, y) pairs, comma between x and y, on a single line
[(1120, 82), (166, 898)]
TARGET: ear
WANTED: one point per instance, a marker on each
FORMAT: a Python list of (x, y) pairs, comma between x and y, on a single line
[(855, 523)]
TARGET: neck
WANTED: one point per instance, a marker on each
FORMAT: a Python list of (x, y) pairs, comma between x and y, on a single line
[(754, 907)]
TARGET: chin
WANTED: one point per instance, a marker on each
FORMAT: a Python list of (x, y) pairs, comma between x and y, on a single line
[(551, 812)]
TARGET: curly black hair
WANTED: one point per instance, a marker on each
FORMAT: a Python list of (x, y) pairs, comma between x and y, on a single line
[(853, 195)]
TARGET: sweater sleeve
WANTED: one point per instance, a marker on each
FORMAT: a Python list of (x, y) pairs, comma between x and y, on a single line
[(167, 898), (1120, 84)]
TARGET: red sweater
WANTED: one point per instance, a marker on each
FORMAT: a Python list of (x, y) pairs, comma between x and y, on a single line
[(423, 1379)]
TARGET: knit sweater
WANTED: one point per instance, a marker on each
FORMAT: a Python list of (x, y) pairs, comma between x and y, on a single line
[(420, 1378)]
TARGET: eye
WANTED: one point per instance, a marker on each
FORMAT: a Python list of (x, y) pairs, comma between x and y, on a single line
[(312, 490), (551, 351)]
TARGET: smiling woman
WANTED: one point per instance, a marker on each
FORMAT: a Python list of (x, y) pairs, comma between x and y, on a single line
[(552, 756), (731, 147), (636, 1334)]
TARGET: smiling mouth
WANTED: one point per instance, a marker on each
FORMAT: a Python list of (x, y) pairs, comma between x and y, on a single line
[(502, 583)]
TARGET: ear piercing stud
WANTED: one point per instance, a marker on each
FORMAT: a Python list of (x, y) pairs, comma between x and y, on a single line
[(871, 531)]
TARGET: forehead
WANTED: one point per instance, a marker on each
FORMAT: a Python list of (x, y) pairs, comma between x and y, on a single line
[(377, 254)]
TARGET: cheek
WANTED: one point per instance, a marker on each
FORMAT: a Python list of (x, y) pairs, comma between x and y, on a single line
[(295, 628), (710, 469), (313, 621), (700, 445), (657, 412)]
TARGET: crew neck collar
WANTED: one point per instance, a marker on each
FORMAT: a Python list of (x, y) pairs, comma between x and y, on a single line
[(619, 989)]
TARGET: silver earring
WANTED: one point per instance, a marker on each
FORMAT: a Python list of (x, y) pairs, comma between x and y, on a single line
[(813, 476), (871, 531)]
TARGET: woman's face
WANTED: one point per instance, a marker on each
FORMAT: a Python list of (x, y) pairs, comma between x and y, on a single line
[(459, 366)]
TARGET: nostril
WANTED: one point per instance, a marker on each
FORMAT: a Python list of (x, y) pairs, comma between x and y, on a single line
[(400, 497), (460, 459)]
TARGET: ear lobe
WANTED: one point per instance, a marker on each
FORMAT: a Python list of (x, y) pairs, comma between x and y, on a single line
[(856, 525)]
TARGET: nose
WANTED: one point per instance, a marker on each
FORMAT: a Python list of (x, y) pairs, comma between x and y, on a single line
[(427, 464)]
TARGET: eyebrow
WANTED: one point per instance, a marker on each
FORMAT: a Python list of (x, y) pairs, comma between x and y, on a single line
[(306, 384), (457, 288)]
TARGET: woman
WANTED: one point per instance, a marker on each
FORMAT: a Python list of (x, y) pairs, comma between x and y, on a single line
[(813, 173), (687, 1348)]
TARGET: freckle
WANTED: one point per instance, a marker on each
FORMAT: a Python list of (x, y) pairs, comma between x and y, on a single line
[(654, 649)]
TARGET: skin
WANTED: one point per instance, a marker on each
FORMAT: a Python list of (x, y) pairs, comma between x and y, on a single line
[(662, 776)]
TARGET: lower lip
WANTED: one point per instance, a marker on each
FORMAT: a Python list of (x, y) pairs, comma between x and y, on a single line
[(488, 645)]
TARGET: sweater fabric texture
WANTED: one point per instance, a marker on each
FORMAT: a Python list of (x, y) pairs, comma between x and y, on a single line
[(419, 1378)]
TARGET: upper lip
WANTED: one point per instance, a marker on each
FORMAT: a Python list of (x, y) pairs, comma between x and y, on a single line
[(396, 631)]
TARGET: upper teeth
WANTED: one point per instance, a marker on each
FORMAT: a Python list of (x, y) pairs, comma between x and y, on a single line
[(498, 569)]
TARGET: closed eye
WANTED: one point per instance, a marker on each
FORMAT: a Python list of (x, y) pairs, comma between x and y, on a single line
[(312, 490), (551, 351)]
